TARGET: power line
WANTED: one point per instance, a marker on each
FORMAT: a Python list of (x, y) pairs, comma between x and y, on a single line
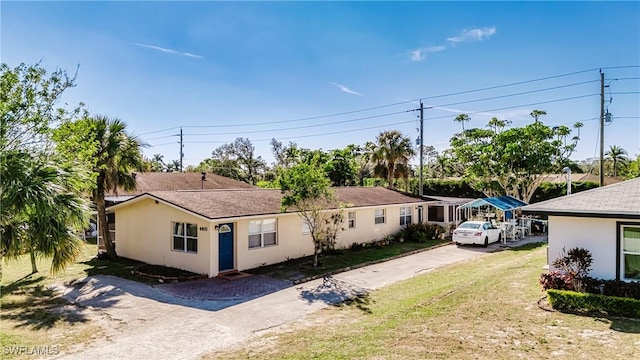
[(302, 127), (399, 103), (388, 124)]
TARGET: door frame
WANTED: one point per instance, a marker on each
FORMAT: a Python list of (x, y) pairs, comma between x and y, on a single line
[(222, 231)]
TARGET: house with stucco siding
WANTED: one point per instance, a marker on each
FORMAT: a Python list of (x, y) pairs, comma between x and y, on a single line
[(214, 231), (605, 220)]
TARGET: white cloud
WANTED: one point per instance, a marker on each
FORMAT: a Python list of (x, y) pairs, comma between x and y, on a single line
[(346, 89), (476, 34), (169, 51), (421, 53)]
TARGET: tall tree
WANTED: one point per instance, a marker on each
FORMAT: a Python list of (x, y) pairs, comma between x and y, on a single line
[(111, 153), (242, 152), (155, 164), (173, 166), (632, 169), (40, 211), (363, 156), (618, 155), (462, 118), (391, 156), (306, 189), (515, 159), (40, 208), (227, 168), (535, 114), (341, 167)]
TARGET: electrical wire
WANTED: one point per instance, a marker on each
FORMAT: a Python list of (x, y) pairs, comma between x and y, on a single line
[(402, 102)]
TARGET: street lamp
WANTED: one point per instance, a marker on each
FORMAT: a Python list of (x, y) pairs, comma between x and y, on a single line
[(568, 171)]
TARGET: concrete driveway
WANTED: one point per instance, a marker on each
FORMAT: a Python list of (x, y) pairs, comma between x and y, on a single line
[(144, 322)]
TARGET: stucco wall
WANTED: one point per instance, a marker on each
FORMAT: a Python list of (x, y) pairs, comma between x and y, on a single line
[(595, 234), (292, 243), (144, 232)]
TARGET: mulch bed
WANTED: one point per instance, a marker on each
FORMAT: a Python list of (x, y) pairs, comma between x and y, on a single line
[(165, 273)]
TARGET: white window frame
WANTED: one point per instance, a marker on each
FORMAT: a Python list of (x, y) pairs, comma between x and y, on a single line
[(626, 252), (351, 220), (376, 216), (184, 236), (262, 233), (305, 227), (404, 216)]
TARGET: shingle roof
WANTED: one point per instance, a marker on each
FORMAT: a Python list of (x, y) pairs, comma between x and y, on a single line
[(621, 199), (218, 204), (448, 199), (158, 181)]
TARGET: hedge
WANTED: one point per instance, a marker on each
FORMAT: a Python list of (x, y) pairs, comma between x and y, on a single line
[(577, 301)]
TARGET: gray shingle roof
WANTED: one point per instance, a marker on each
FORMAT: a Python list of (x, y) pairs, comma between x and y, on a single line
[(618, 199), (228, 203)]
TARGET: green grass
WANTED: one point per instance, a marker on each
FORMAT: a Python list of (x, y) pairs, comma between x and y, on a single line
[(485, 308), (295, 269)]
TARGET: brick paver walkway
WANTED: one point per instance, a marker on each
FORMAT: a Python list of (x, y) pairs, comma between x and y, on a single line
[(246, 288)]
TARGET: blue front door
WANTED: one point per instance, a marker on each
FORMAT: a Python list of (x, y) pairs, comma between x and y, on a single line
[(225, 247)]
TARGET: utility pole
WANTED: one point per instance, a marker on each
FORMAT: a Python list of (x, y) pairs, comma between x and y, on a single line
[(181, 146), (601, 128), (421, 147)]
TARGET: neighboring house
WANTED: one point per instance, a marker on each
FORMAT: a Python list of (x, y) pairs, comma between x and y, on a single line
[(161, 181), (606, 221), (213, 231), (443, 210)]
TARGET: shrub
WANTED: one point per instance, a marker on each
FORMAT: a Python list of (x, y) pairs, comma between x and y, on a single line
[(421, 233), (612, 287), (555, 280), (575, 263), (576, 301)]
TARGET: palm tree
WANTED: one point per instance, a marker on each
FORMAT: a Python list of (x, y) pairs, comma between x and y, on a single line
[(617, 155), (40, 213), (462, 118), (535, 114), (117, 155), (391, 155)]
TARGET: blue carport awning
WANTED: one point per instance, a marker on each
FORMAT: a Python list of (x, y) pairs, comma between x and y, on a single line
[(504, 203)]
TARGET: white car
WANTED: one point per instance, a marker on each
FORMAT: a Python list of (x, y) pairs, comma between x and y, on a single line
[(476, 232)]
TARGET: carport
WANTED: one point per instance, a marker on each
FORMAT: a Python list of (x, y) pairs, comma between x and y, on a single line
[(507, 204)]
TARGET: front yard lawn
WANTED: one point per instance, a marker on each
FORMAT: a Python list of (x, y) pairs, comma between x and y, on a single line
[(485, 308), (296, 269)]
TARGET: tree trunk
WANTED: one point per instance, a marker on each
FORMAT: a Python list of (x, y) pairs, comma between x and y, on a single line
[(104, 227), (34, 267), (390, 175), (315, 255)]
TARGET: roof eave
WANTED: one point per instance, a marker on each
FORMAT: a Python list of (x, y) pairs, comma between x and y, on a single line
[(583, 213)]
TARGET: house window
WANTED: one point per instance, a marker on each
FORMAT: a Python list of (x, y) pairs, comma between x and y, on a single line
[(185, 237), (351, 219), (631, 252), (262, 233), (305, 228), (435, 213), (405, 215), (379, 216)]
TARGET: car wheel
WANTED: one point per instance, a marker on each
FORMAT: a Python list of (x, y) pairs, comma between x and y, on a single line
[(486, 241)]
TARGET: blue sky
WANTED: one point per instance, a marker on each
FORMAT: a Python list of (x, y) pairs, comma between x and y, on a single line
[(261, 70)]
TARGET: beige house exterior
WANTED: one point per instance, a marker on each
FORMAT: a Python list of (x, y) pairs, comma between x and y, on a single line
[(213, 231)]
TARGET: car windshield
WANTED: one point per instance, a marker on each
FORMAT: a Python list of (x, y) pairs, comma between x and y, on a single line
[(469, 226)]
